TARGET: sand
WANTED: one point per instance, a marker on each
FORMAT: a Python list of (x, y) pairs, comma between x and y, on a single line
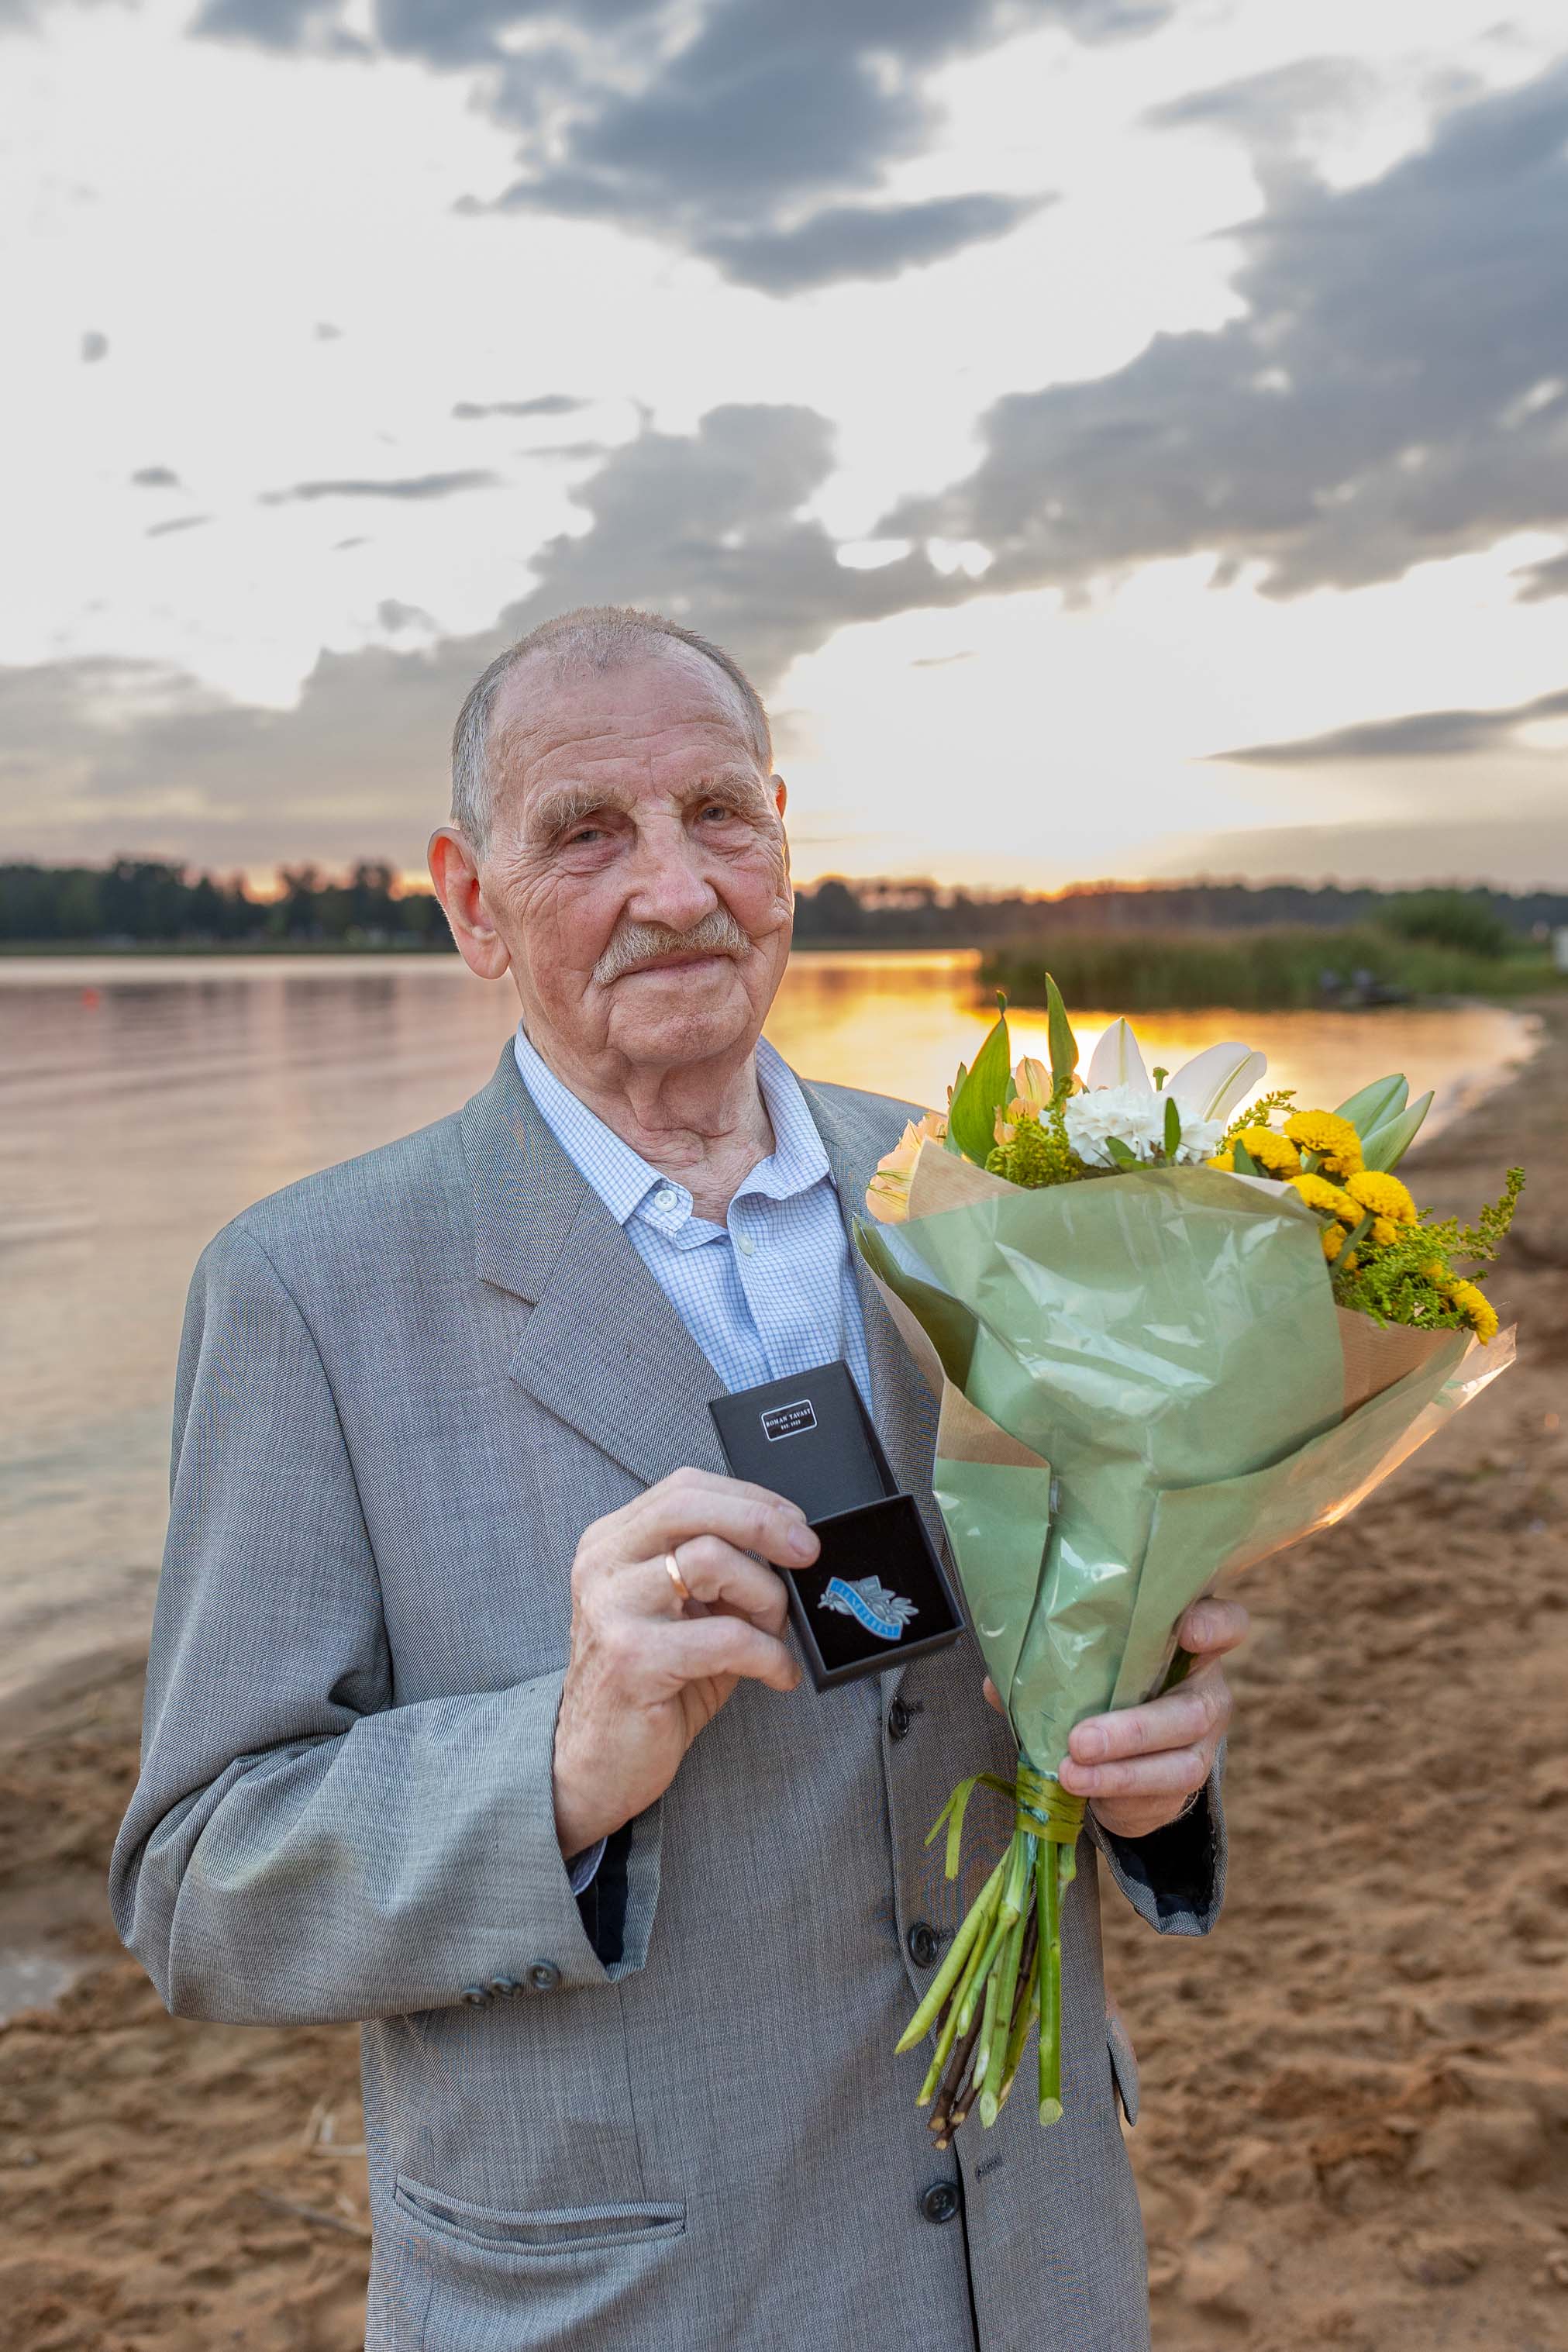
[(1355, 2121)]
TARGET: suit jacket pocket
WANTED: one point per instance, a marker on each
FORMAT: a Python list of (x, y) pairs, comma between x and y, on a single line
[(569, 2229)]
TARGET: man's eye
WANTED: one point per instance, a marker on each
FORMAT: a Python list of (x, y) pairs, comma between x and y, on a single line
[(718, 809)]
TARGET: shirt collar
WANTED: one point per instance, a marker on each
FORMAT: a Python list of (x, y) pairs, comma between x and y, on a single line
[(623, 1179)]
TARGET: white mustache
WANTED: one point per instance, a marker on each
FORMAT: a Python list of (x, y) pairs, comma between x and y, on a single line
[(635, 944)]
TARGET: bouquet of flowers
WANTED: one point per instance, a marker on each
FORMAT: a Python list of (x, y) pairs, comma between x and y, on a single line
[(1166, 1342)]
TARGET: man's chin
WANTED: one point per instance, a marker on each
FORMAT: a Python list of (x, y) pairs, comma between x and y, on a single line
[(682, 1013)]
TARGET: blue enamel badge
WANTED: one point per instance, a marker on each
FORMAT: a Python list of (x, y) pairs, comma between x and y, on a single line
[(881, 1612)]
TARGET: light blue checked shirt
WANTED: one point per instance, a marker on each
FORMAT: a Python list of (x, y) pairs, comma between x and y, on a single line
[(770, 1292)]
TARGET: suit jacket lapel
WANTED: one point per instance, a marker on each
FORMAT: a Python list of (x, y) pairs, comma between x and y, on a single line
[(603, 1350), (902, 1405)]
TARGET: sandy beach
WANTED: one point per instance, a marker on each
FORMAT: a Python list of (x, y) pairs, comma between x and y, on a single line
[(1356, 2094)]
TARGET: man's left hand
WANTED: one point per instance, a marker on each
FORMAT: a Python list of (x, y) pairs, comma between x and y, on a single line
[(1139, 1765)]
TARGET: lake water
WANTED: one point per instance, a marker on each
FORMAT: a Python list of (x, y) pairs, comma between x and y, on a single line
[(144, 1103)]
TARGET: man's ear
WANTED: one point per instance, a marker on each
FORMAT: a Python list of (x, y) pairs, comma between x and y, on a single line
[(781, 792), (455, 871)]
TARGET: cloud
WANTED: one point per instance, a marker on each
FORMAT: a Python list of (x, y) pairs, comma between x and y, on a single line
[(1420, 735), (180, 522), (705, 526), (155, 477), (94, 346), (1277, 114), (864, 240), (409, 486), (1394, 392), (1529, 852), (767, 118), (543, 404), (1549, 578), (394, 615)]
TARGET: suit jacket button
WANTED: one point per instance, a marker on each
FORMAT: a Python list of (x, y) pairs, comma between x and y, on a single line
[(924, 1942), (940, 2201), (503, 1986), (476, 1996), (544, 1975), (898, 1719)]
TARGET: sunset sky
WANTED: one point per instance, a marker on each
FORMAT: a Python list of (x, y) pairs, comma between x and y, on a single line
[(1121, 437)]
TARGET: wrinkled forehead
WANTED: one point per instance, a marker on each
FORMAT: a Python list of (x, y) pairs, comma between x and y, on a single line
[(563, 721)]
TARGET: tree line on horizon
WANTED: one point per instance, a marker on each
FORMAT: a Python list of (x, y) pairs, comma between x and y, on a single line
[(147, 902)]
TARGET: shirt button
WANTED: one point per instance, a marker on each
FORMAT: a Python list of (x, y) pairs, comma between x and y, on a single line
[(664, 1199), (746, 1245), (924, 1942), (940, 2201), (898, 1719), (476, 1996), (544, 1975)]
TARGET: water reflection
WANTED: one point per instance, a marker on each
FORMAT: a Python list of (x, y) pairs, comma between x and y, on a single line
[(142, 1105)]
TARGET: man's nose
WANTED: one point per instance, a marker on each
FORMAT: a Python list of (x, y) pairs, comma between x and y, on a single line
[(670, 884)]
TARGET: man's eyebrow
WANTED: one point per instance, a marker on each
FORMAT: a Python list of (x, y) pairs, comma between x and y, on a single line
[(568, 804)]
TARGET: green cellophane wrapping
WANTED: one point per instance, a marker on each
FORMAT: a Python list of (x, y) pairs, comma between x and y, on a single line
[(1144, 1385)]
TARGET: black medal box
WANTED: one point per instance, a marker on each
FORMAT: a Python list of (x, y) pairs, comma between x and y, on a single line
[(877, 1593)]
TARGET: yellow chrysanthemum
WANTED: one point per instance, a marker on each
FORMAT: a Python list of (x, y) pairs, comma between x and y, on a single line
[(1384, 1231), (1275, 1154), (1385, 1196), (1333, 1241), (1333, 1139), (1476, 1308), (1226, 1159), (1319, 1193)]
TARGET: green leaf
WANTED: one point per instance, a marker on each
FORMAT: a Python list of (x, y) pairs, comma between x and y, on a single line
[(1120, 1153), (950, 1141), (1173, 1127), (1386, 1147), (1245, 1165), (1063, 1043), (986, 1088), (1382, 1100)]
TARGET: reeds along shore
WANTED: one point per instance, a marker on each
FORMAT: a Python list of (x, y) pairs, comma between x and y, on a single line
[(1263, 971), (1355, 2095)]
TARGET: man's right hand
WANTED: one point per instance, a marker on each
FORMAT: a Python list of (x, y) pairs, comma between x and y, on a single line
[(647, 1670)]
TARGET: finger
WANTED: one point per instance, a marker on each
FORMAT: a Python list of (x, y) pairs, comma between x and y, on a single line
[(1211, 1627), (1195, 1711), (714, 1572), (747, 1517), (1175, 1772), (991, 1696), (695, 1646)]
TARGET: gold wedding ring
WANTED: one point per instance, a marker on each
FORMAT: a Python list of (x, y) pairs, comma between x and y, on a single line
[(673, 1570)]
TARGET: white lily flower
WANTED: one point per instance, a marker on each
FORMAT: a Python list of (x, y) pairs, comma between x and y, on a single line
[(1116, 1060), (1209, 1087), (1212, 1084)]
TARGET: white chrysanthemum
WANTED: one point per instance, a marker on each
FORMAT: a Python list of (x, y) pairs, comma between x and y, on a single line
[(1135, 1117), (1199, 1137)]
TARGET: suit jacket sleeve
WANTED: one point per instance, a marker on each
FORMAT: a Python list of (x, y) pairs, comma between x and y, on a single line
[(300, 1847), (1175, 1878)]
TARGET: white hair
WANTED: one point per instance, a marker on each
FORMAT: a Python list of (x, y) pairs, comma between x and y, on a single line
[(593, 636)]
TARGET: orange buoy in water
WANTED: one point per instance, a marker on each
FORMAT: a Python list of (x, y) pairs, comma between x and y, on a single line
[(92, 999)]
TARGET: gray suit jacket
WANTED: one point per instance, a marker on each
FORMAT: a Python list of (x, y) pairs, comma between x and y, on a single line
[(405, 1386)]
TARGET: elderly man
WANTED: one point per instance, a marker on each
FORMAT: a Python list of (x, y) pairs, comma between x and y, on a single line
[(434, 1740)]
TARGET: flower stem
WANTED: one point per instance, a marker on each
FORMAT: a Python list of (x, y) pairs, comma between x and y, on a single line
[(979, 1916)]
